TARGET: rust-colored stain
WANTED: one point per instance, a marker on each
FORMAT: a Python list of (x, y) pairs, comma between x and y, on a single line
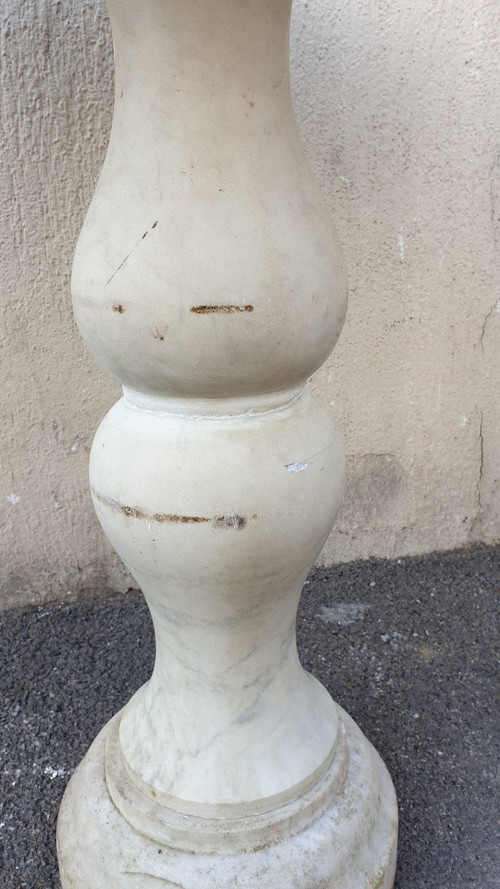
[(127, 510), (118, 308), (229, 521), (428, 653), (179, 519), (220, 310)]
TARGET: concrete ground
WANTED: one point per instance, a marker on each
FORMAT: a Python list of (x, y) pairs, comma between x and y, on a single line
[(407, 647)]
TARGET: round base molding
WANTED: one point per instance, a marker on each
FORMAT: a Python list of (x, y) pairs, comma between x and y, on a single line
[(341, 834)]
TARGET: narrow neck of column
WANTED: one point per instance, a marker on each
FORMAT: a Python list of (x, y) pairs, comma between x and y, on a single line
[(214, 407), (204, 55)]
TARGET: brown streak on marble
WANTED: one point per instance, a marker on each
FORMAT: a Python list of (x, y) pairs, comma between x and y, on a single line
[(229, 521), (220, 310)]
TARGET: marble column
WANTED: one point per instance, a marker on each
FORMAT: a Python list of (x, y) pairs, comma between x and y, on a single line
[(209, 280)]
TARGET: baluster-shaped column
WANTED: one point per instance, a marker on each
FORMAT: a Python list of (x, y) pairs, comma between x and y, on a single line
[(208, 279)]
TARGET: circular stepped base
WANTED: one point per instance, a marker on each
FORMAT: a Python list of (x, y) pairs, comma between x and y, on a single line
[(349, 841)]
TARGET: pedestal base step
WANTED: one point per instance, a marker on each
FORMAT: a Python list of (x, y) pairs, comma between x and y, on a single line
[(352, 845)]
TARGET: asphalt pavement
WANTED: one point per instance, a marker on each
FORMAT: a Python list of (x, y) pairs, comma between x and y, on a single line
[(409, 648)]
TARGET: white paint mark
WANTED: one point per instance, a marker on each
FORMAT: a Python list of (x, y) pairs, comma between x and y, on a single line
[(329, 377), (464, 420), (296, 467), (392, 638), (13, 499), (343, 613), (57, 772), (75, 446), (345, 180), (401, 245)]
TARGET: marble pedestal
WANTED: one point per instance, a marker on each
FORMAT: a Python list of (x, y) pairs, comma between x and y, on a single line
[(209, 280)]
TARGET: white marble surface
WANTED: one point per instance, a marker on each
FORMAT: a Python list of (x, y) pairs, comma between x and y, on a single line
[(351, 841), (206, 202), (229, 715)]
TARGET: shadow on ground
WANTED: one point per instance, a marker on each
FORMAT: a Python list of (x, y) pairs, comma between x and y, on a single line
[(407, 648)]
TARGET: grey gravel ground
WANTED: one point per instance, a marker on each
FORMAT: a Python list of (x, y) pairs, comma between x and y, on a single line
[(407, 647)]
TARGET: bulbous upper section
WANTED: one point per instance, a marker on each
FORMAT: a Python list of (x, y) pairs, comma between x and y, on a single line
[(208, 265)]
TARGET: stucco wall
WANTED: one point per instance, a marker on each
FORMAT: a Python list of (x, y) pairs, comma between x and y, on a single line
[(398, 106)]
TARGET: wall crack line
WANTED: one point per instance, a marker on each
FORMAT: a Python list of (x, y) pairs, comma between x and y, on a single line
[(495, 307)]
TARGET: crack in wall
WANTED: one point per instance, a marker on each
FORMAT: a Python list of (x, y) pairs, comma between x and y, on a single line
[(495, 308), (479, 477), (494, 196)]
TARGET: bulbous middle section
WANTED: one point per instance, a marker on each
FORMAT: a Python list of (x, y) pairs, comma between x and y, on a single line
[(208, 265), (220, 520)]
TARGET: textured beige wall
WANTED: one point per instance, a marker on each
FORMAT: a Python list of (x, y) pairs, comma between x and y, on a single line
[(398, 106)]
